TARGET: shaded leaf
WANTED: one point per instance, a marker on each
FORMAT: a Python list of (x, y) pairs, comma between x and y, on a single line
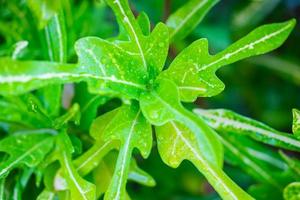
[(43, 10), (104, 173), (293, 164), (28, 149), (228, 121), (186, 18), (296, 123)]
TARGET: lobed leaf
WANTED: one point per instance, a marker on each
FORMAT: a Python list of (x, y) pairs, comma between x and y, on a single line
[(24, 149), (151, 50), (128, 127), (193, 70), (228, 121), (186, 18), (79, 188), (184, 146), (162, 105)]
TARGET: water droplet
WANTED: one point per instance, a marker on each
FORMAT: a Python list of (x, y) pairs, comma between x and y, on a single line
[(154, 115)]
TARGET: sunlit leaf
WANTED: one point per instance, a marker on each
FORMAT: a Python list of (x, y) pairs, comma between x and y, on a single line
[(132, 132), (151, 50), (193, 70), (162, 105)]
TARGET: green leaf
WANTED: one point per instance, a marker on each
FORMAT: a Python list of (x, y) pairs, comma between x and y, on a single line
[(186, 18), (43, 10), (293, 164), (73, 114), (19, 77), (140, 176), (292, 191), (104, 173), (296, 123), (132, 132), (144, 22), (118, 68), (186, 146), (193, 70), (228, 121), (79, 188), (2, 189), (46, 195), (24, 149), (56, 39), (93, 156), (240, 156), (18, 110), (89, 104), (161, 105), (152, 50)]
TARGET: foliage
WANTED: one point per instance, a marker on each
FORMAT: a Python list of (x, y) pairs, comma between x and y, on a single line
[(145, 97)]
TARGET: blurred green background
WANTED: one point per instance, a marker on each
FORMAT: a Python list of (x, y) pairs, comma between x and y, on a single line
[(265, 88)]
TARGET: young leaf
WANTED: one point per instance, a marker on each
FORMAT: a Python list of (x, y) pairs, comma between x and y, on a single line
[(186, 18), (296, 123), (162, 105), (194, 69), (292, 191), (79, 188), (24, 149), (133, 132), (152, 50), (228, 121)]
